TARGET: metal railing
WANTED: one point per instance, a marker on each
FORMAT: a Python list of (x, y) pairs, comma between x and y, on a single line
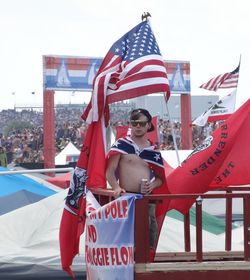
[(48, 170), (142, 254)]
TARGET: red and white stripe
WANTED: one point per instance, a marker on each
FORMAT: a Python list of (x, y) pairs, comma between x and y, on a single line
[(118, 80), (227, 80)]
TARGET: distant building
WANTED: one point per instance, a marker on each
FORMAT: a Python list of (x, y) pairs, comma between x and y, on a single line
[(157, 106), (155, 103)]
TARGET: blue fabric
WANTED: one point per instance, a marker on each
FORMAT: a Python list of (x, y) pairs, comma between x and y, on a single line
[(18, 199), (13, 183)]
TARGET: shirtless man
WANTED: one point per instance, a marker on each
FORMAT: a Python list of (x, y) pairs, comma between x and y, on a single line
[(130, 166), (131, 157)]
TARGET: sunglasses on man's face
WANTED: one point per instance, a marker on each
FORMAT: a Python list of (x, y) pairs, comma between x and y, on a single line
[(141, 123)]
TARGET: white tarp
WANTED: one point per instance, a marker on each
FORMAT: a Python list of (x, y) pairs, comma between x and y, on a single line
[(30, 235), (237, 237), (217, 207), (171, 156), (69, 151), (172, 238)]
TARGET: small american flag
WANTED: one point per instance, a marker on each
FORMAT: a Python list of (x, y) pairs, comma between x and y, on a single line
[(227, 80), (132, 67)]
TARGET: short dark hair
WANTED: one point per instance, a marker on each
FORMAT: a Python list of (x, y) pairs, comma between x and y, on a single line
[(137, 113)]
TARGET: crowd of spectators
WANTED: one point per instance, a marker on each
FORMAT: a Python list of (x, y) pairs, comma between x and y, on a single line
[(26, 144)]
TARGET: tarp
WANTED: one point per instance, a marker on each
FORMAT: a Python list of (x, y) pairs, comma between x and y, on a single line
[(13, 183), (29, 243), (237, 236), (217, 207), (172, 238), (210, 223), (171, 156), (69, 154), (61, 181), (18, 199)]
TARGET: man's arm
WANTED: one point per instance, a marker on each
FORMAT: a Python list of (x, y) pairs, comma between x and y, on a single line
[(113, 164)]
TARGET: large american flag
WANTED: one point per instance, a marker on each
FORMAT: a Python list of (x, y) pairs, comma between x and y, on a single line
[(227, 80), (132, 67)]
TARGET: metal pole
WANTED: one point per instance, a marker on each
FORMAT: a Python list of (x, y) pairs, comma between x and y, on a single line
[(173, 134), (246, 207), (228, 238), (187, 232), (10, 172), (199, 254)]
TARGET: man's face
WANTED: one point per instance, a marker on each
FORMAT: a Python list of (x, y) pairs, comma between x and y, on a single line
[(140, 126)]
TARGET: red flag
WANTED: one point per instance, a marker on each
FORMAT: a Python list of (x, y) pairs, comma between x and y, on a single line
[(235, 169), (153, 135), (61, 181), (71, 228), (227, 80), (121, 131), (93, 149), (90, 172), (215, 156)]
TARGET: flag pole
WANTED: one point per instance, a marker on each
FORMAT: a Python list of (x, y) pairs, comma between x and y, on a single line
[(172, 132), (237, 83), (239, 74)]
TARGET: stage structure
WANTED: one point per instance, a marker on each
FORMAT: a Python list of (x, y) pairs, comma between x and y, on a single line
[(70, 73)]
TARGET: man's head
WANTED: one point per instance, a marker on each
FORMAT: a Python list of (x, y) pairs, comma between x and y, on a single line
[(142, 118)]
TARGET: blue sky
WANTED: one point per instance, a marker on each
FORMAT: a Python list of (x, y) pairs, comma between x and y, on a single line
[(211, 34)]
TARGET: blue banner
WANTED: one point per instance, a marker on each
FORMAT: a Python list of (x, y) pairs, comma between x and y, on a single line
[(109, 246), (67, 73)]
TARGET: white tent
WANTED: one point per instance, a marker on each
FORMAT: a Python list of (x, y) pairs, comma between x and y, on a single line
[(69, 154)]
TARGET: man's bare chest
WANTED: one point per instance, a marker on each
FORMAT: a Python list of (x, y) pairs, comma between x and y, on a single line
[(132, 160)]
